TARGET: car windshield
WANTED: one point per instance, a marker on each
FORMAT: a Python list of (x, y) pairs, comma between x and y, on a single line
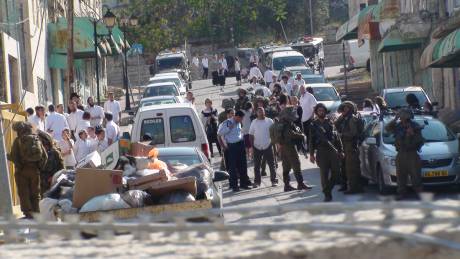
[(158, 102), (314, 80), (176, 81), (432, 131), (398, 99), (325, 94), (304, 72), (282, 62), (168, 63), (161, 90)]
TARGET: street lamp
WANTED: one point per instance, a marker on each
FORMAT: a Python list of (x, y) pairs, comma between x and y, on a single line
[(126, 22), (109, 19)]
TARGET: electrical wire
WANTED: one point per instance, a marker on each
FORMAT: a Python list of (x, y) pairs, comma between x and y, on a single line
[(33, 66)]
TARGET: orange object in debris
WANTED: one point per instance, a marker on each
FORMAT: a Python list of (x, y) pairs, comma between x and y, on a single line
[(153, 153), (158, 164)]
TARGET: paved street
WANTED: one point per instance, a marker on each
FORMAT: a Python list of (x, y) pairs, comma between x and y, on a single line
[(267, 195)]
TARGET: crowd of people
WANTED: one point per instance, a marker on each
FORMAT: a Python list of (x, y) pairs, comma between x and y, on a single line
[(285, 124), (52, 139)]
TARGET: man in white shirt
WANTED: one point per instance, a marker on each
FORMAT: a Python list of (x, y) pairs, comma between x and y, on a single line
[(205, 64), (297, 83), (255, 72), (307, 102), (96, 112), (84, 123), (259, 134), (82, 147), (102, 143), (223, 62), (195, 61), (38, 120), (190, 98), (113, 106), (55, 123), (286, 86), (268, 77), (60, 110), (74, 117), (112, 131)]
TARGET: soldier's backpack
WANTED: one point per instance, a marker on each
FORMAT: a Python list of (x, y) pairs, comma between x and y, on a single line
[(31, 148), (276, 132)]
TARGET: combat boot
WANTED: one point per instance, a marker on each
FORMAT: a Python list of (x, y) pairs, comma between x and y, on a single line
[(289, 188), (303, 186)]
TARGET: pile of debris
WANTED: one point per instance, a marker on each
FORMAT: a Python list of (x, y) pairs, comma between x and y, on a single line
[(135, 180)]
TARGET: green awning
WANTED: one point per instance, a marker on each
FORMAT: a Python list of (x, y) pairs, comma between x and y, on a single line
[(446, 52), (349, 30), (393, 41), (83, 37)]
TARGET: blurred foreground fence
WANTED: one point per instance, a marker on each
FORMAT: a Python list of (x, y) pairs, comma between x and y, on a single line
[(348, 218)]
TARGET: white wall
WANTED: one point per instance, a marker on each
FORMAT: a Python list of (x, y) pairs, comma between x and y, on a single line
[(10, 48)]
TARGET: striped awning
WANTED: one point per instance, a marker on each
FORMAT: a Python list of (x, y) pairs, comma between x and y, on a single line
[(349, 30), (394, 41), (446, 52)]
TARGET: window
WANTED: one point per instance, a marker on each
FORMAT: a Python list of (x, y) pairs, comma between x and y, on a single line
[(161, 90), (153, 130), (181, 128), (323, 94)]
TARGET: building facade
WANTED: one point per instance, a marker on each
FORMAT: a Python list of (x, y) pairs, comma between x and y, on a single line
[(31, 71), (403, 35)]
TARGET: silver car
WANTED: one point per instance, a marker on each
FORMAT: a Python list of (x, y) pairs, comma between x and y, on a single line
[(439, 154)]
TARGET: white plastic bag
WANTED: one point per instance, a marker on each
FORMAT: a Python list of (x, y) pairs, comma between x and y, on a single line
[(47, 206), (145, 172), (105, 202)]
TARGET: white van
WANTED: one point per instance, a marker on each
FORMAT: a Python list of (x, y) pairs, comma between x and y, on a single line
[(170, 125), (280, 60), (359, 55)]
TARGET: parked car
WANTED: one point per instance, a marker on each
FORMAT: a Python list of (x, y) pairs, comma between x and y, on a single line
[(327, 94), (161, 89), (182, 157), (396, 97), (279, 60), (359, 55), (439, 155), (305, 71), (170, 77), (173, 61), (170, 125)]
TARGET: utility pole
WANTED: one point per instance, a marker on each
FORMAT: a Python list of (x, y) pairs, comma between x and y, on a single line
[(311, 20), (345, 66), (70, 80), (6, 203)]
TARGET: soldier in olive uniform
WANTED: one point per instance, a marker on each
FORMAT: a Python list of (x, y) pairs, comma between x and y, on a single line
[(287, 147), (408, 141), (348, 127), (28, 156), (325, 141), (53, 164), (242, 99)]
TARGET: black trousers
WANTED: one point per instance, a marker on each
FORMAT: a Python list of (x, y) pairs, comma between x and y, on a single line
[(237, 165), (267, 155), (306, 130), (213, 139), (205, 72)]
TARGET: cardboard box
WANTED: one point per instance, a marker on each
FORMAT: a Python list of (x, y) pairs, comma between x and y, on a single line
[(140, 149), (92, 160), (137, 184), (187, 184), (90, 183)]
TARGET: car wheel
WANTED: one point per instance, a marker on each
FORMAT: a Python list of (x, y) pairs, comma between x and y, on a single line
[(382, 187)]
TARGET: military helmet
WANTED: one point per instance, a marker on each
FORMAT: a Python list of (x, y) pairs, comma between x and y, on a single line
[(350, 104), (228, 103), (22, 127), (405, 114), (318, 106), (288, 114)]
